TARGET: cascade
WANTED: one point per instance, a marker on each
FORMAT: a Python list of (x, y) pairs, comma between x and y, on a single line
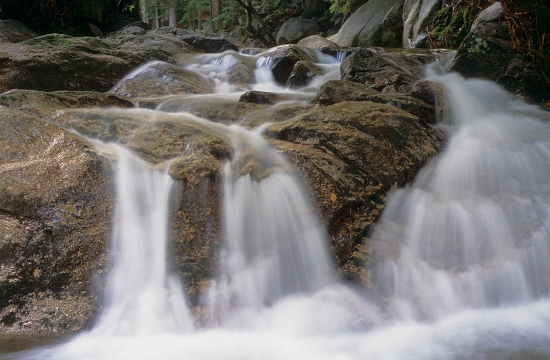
[(463, 254)]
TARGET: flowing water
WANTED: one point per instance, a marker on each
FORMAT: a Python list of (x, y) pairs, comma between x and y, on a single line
[(463, 254)]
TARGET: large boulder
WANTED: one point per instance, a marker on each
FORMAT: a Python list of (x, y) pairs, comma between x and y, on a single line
[(55, 205), (352, 153), (61, 62), (418, 16), (336, 91), (13, 31), (295, 29), (385, 71), (365, 27)]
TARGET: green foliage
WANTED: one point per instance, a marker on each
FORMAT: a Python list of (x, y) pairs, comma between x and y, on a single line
[(345, 7)]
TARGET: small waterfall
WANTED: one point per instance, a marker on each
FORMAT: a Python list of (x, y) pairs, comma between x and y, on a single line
[(274, 244), (141, 297), (474, 229)]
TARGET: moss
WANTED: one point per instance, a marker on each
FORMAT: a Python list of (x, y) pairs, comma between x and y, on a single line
[(452, 23)]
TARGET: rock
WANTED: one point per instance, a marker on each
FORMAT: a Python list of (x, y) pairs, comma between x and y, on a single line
[(393, 21), (295, 29), (302, 73), (261, 97), (55, 204), (492, 13), (317, 42), (365, 26), (352, 153), (484, 56), (61, 62), (210, 45), (12, 31), (284, 58), (384, 71), (250, 111), (341, 90), (195, 151), (160, 78), (418, 16)]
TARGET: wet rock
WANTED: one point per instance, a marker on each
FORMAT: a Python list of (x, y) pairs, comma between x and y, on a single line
[(55, 206), (61, 62), (295, 29), (302, 73), (352, 153), (365, 26), (335, 91), (418, 16), (384, 71), (284, 58), (160, 78), (261, 97), (12, 31), (341, 90)]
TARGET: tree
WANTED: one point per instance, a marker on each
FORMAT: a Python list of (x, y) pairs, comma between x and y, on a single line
[(262, 33)]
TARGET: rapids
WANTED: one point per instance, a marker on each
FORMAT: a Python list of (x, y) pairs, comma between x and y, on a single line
[(463, 254)]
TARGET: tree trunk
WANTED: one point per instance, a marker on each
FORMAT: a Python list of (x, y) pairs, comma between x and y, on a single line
[(157, 21), (199, 15), (144, 11), (216, 6), (172, 18)]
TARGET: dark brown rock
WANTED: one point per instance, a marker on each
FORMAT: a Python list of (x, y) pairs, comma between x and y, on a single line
[(352, 153), (55, 205), (384, 71), (12, 31), (61, 62)]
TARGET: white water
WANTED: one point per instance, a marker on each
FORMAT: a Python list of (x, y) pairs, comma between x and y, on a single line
[(462, 271), (274, 244)]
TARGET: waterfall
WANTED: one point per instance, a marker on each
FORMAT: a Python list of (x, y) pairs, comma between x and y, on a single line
[(274, 243), (462, 255), (141, 296), (473, 230)]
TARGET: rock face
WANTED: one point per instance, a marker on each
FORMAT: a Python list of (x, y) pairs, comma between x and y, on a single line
[(384, 71), (487, 52), (61, 62), (295, 29), (12, 31), (418, 15), (352, 153), (365, 27), (55, 206)]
